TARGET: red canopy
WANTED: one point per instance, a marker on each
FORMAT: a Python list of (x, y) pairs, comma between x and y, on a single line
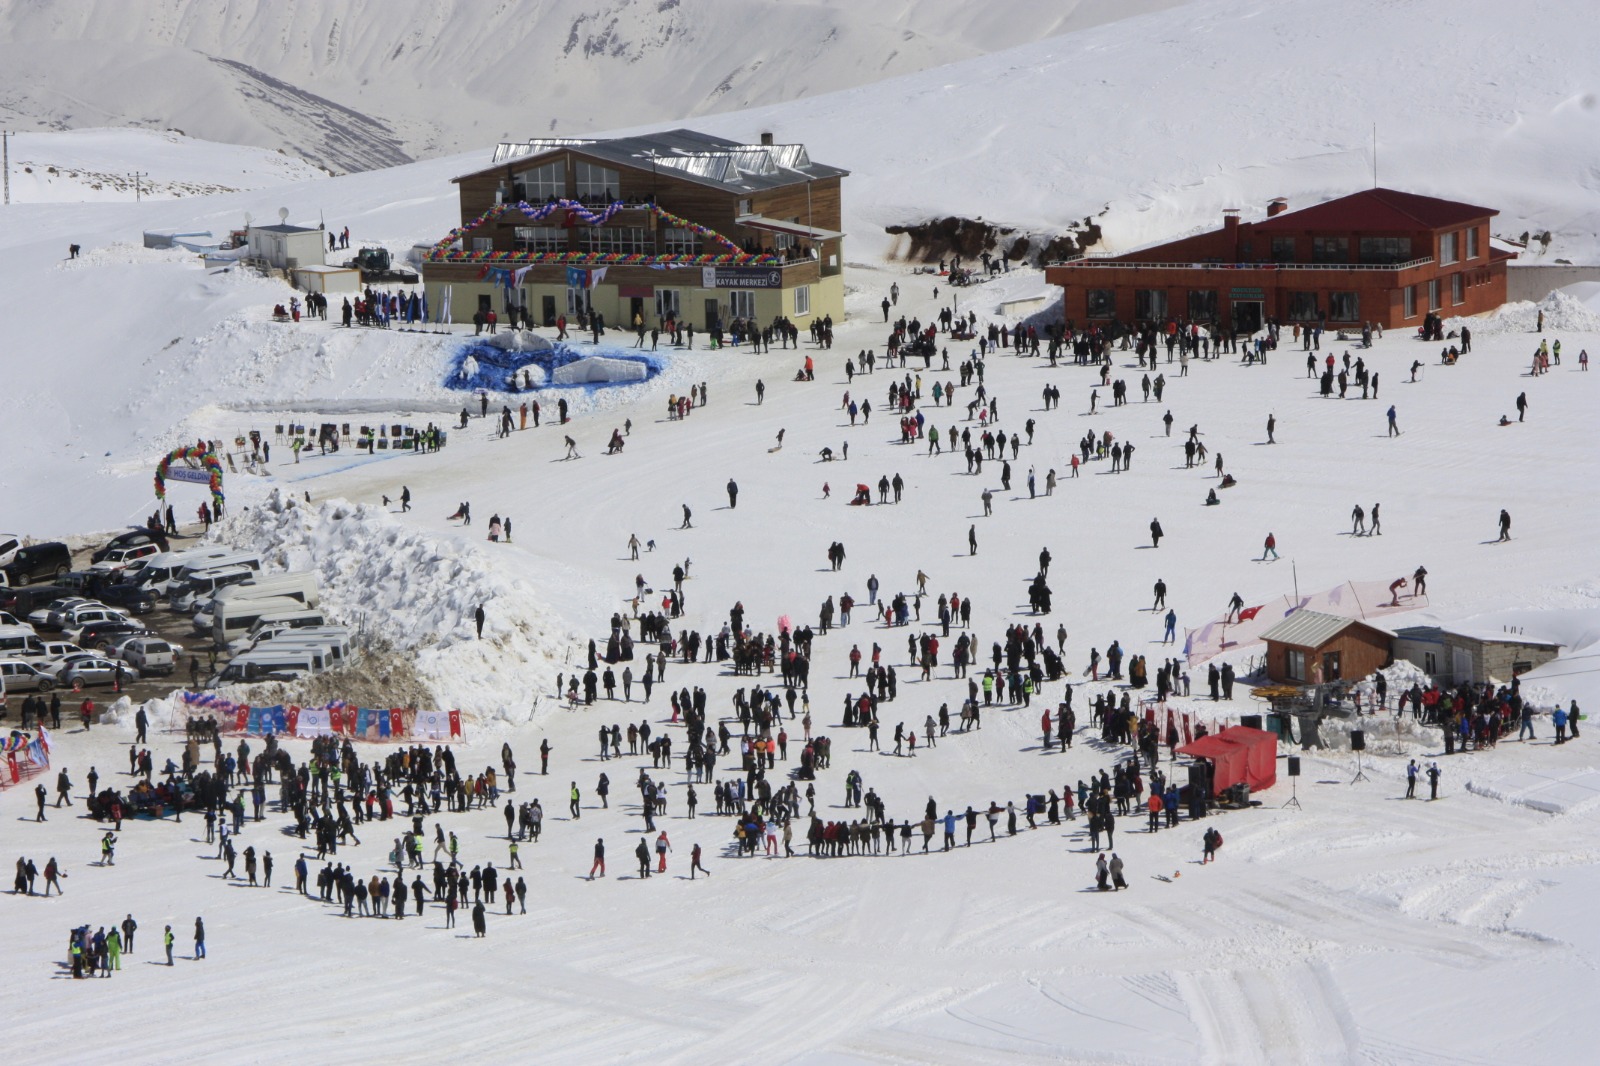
[(1237, 754)]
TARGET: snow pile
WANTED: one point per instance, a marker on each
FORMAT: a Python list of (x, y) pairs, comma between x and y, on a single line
[(597, 369), (1553, 791), (1385, 734), (1563, 313), (1399, 676), (122, 253), (417, 593)]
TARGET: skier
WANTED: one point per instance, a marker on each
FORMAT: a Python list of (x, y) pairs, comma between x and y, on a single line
[(733, 494), (1155, 533), (1270, 548), (1505, 530), (1213, 841), (1433, 781), (1394, 430)]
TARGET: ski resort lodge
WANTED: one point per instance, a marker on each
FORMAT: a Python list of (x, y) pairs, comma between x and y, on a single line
[(675, 224), (1377, 256), (1312, 647)]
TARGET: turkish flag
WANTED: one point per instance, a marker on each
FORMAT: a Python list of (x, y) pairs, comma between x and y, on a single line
[(1249, 613), (294, 720), (241, 718), (396, 722), (455, 723)]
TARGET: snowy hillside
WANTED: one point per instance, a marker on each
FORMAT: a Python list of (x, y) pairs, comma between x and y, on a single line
[(95, 165), (354, 85)]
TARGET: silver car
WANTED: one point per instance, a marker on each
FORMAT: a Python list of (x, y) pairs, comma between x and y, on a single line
[(18, 676), (93, 670)]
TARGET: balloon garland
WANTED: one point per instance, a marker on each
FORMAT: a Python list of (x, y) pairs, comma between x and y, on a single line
[(442, 252), (200, 453)]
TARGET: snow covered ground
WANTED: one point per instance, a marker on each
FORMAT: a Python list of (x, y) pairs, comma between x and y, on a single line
[(1361, 927)]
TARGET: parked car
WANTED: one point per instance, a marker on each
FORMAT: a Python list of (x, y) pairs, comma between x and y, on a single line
[(149, 655), (23, 601), (18, 676), (51, 614), (36, 561), (10, 544), (56, 650), (81, 582), (101, 635), (88, 613), (122, 558), (92, 670), (9, 619), (135, 599), (130, 538)]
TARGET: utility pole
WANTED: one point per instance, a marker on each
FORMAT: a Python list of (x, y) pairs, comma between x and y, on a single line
[(138, 187), (5, 155)]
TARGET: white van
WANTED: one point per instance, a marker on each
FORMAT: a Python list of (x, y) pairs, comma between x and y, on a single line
[(201, 585), (336, 648), (20, 642), (272, 666), (298, 585), (272, 625), (163, 571), (235, 618)]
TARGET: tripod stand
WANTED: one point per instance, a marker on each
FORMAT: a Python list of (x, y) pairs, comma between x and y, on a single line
[(1294, 796), (1359, 775)]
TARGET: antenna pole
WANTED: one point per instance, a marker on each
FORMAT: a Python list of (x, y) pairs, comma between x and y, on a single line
[(5, 154), (1374, 155)]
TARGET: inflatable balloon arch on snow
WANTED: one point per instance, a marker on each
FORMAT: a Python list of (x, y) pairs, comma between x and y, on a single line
[(210, 470), (339, 718)]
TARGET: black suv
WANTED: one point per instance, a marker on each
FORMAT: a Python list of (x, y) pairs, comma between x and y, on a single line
[(131, 538), (51, 559)]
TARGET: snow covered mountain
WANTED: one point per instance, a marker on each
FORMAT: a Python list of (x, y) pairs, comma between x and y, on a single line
[(356, 84)]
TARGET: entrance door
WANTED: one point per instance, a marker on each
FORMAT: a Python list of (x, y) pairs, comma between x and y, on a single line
[(711, 314), (547, 308), (485, 303), (635, 309), (1246, 316), (1330, 666)]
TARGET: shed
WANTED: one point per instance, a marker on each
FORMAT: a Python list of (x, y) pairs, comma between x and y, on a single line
[(1312, 647), (1238, 754), (325, 279), (288, 247), (1453, 655)]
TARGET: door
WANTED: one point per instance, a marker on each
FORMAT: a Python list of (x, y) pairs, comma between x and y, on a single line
[(1460, 665), (547, 310), (485, 303), (712, 317), (1330, 666), (1246, 316), (635, 309)]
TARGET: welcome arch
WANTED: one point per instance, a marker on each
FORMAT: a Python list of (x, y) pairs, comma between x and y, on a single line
[(210, 470)]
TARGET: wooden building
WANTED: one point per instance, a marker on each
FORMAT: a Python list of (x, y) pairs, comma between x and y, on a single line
[(676, 224), (1310, 648), (1380, 256), (1455, 655)]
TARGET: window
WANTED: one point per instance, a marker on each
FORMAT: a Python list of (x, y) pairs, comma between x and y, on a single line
[(742, 303), (1294, 664), (1330, 249), (540, 239), (597, 183), (668, 304), (483, 244), (577, 299), (1344, 307), (1381, 250), (1409, 295), (1520, 667), (1100, 303), (1283, 249), (1303, 307), (678, 241), (1433, 295), (1430, 664), (744, 207), (1458, 289), (548, 182), (1472, 243), (802, 299), (1150, 304), (1203, 305), (623, 239), (1447, 248)]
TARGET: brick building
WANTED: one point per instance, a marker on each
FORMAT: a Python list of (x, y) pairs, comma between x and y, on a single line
[(681, 223), (1377, 256)]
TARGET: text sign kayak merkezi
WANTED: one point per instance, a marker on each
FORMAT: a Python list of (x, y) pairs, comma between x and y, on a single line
[(741, 278)]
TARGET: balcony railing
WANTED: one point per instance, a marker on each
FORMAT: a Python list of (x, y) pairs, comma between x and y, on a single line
[(1109, 261)]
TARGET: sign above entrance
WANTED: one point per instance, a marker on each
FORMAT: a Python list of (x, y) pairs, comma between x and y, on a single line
[(1247, 294), (740, 278)]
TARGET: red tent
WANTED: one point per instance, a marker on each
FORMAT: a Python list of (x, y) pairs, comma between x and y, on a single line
[(1237, 754)]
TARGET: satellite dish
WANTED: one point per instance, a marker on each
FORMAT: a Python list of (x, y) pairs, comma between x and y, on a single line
[(248, 218), (283, 214)]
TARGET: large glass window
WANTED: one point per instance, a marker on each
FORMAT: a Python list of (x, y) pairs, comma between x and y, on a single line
[(679, 241), (1344, 307), (1101, 303), (1294, 664), (1410, 294), (597, 184), (1283, 249), (1458, 289), (623, 239), (1150, 304), (1303, 307), (1380, 250), (1433, 295), (540, 239), (1202, 305), (802, 299), (1472, 243), (668, 303), (483, 244), (742, 303), (1330, 249), (548, 182), (1447, 248)]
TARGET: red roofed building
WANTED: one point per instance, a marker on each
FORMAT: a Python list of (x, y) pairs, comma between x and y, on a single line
[(1377, 256)]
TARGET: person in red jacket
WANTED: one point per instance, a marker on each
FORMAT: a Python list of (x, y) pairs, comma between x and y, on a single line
[(1270, 548)]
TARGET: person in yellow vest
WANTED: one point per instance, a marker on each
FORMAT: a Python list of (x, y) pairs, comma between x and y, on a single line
[(167, 939)]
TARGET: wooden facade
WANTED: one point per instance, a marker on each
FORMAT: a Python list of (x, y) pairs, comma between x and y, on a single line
[(1379, 257), (1352, 653), (810, 260)]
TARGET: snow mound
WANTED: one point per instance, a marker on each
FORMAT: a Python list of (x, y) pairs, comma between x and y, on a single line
[(1563, 312), (597, 369), (1553, 792), (121, 253), (517, 340), (417, 593)]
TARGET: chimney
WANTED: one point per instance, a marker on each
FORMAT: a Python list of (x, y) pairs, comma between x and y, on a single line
[(766, 138), (1230, 232), (1277, 206)]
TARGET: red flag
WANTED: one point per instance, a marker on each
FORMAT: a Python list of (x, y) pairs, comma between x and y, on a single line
[(396, 725), (293, 720), (1249, 613), (1188, 737), (241, 717), (455, 723)]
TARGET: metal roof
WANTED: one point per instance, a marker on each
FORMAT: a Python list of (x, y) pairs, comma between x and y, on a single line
[(698, 157), (1482, 636), (1312, 629)]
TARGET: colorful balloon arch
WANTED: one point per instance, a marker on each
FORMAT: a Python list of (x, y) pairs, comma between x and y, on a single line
[(208, 461)]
